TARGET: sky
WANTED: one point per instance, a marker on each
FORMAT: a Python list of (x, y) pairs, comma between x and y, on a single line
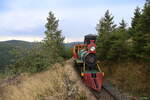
[(26, 19)]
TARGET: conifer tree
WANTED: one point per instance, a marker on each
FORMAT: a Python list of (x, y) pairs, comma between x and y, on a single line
[(122, 24), (142, 34), (136, 17), (53, 40), (135, 20), (144, 22), (106, 24), (104, 28)]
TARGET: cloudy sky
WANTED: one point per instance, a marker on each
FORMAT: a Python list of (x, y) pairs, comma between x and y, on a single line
[(25, 19)]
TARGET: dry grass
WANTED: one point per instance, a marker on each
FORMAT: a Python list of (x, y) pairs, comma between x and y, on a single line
[(54, 84), (131, 77)]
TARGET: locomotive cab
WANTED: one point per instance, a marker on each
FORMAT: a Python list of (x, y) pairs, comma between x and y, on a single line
[(89, 37)]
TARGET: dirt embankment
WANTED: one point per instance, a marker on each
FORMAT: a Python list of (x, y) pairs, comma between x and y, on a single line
[(57, 83)]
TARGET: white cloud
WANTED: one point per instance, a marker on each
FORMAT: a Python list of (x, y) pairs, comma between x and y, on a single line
[(31, 39), (21, 20), (35, 38), (67, 40), (29, 15)]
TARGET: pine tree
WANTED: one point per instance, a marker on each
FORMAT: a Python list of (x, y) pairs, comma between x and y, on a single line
[(53, 40), (136, 17), (135, 20), (106, 24), (123, 25), (142, 34), (104, 28), (144, 22), (42, 55)]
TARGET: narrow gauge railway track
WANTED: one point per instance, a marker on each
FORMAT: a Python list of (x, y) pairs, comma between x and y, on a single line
[(108, 92)]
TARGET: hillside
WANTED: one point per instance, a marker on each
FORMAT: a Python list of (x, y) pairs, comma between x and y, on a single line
[(57, 83), (71, 44), (7, 46)]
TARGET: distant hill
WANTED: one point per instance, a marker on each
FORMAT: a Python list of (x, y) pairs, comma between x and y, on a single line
[(71, 44), (13, 43), (5, 50), (7, 46)]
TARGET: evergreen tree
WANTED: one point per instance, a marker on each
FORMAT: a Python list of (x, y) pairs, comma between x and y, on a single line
[(142, 34), (53, 40), (135, 20), (42, 55), (106, 25), (136, 17), (104, 28), (122, 24), (144, 21)]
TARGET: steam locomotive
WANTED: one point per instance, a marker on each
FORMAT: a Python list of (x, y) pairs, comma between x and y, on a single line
[(85, 56)]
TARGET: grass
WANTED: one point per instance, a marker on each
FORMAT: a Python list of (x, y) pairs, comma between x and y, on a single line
[(53, 84), (2, 76), (131, 77)]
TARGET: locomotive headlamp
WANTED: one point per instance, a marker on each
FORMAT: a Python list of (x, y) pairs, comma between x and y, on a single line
[(92, 48), (82, 74)]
